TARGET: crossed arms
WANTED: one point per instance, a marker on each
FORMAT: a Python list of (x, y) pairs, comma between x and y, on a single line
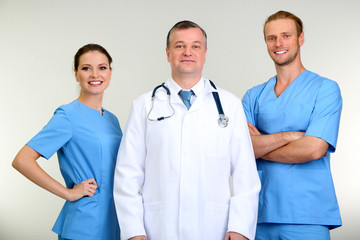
[(287, 147)]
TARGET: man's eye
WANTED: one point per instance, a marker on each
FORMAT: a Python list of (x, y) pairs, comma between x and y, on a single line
[(179, 46)]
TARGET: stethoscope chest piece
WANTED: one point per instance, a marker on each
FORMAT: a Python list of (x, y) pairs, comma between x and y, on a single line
[(223, 120)]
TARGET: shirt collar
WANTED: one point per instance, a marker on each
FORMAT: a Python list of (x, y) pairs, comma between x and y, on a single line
[(197, 88)]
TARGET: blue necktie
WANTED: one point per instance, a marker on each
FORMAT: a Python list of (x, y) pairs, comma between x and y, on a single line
[(186, 97)]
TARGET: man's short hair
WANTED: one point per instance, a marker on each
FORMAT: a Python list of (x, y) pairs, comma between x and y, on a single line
[(184, 25), (285, 15)]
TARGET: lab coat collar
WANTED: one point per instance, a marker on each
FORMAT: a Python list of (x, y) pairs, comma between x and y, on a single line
[(175, 89), (197, 88), (202, 97), (202, 88)]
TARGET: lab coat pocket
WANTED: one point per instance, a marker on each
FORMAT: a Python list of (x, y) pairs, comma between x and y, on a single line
[(154, 220), (216, 220)]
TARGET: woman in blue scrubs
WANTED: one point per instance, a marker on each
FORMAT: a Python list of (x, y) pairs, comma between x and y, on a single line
[(86, 138)]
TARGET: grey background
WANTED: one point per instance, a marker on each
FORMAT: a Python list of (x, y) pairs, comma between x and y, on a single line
[(39, 39)]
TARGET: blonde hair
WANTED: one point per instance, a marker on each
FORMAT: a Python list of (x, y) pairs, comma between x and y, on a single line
[(285, 15)]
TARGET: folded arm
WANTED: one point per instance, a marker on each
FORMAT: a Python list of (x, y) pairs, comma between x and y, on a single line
[(287, 147), (264, 144), (305, 149)]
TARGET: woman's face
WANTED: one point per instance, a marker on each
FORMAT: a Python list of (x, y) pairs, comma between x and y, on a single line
[(93, 73)]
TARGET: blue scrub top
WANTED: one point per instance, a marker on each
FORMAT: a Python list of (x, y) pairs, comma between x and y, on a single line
[(297, 193), (87, 144)]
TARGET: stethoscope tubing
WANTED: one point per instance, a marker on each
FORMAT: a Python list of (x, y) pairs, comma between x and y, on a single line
[(222, 121), (217, 99)]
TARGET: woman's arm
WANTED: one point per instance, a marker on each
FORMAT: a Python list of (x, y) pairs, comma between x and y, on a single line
[(26, 163)]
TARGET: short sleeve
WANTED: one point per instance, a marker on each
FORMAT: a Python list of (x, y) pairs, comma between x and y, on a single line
[(325, 119), (246, 102), (53, 136)]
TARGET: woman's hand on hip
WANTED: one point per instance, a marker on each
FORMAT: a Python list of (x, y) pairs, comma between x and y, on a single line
[(86, 188)]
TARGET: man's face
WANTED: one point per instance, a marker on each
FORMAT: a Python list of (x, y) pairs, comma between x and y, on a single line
[(187, 52), (282, 42)]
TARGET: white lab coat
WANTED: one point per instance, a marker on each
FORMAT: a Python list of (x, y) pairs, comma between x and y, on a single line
[(184, 164)]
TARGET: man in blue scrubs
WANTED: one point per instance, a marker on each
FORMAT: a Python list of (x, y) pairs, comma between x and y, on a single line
[(293, 120)]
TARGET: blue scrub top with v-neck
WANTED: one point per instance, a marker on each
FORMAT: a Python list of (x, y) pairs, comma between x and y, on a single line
[(297, 193), (87, 143)]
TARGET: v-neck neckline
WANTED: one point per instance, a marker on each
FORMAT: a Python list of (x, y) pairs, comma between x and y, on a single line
[(286, 89)]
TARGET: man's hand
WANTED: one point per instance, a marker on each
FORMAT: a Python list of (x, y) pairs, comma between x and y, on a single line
[(267, 143), (253, 130), (138, 238), (234, 236), (305, 149)]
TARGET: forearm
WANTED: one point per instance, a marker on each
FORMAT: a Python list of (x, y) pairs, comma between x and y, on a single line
[(25, 162), (303, 150), (264, 144)]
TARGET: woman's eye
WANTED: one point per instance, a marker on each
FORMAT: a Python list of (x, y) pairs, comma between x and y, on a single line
[(85, 68), (103, 68)]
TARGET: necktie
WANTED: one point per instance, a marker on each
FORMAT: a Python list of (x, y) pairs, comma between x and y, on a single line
[(186, 96)]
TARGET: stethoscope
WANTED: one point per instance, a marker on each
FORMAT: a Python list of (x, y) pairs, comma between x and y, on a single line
[(222, 121)]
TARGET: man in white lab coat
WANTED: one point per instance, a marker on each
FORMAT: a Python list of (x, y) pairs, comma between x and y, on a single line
[(172, 178)]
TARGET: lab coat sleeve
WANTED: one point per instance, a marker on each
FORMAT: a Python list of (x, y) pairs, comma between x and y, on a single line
[(246, 183), (129, 175)]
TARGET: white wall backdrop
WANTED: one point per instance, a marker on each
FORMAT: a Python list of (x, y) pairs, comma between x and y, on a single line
[(39, 38)]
